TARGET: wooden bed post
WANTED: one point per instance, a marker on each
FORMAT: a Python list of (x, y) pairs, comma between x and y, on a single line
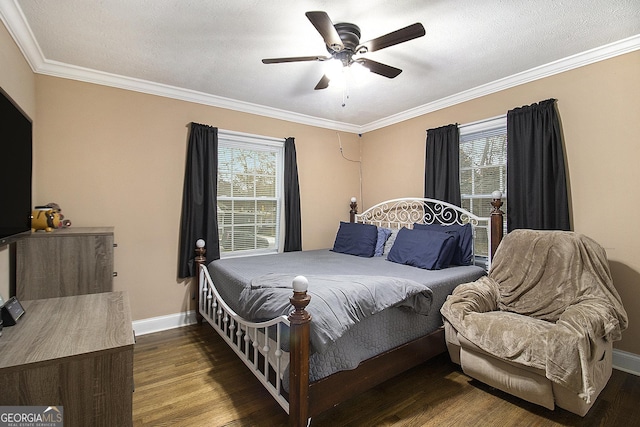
[(299, 354), (354, 210), (497, 217), (200, 261)]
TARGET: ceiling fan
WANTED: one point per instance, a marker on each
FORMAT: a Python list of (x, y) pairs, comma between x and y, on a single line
[(343, 42)]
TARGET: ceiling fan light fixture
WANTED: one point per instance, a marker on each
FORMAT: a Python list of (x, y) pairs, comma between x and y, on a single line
[(334, 69)]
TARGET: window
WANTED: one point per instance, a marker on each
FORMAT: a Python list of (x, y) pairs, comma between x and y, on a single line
[(483, 169), (250, 179)]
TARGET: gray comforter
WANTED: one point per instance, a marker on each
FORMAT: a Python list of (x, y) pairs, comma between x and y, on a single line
[(337, 301), (377, 333)]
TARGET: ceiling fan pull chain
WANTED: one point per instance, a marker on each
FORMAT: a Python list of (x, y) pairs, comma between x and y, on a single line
[(345, 91)]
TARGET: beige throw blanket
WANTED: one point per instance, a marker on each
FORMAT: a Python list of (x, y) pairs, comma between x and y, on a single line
[(548, 296)]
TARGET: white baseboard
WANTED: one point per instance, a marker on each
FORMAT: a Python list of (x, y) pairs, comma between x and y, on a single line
[(162, 323), (627, 362), (622, 360)]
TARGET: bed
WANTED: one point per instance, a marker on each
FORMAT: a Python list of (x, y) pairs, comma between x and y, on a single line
[(317, 327)]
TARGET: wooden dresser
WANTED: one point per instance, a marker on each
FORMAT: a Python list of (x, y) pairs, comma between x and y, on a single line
[(64, 262), (75, 352)]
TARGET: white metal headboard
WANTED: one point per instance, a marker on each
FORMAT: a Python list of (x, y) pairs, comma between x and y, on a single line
[(405, 212)]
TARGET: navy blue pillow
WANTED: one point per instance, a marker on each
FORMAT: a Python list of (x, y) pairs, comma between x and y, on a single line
[(464, 251), (356, 239), (431, 250)]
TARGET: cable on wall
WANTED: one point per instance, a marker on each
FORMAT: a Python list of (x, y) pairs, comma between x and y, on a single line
[(359, 162)]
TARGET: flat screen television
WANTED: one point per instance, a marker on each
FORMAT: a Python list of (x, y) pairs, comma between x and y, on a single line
[(15, 171)]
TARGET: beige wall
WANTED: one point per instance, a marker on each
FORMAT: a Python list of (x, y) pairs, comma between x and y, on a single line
[(114, 157), (18, 81), (16, 77), (600, 114)]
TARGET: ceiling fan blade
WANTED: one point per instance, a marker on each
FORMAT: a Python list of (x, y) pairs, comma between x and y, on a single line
[(379, 68), (325, 27), (294, 59), (399, 36), (323, 83)]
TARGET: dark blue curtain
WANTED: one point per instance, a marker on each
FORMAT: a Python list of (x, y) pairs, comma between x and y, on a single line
[(536, 179), (199, 198), (293, 222), (442, 165)]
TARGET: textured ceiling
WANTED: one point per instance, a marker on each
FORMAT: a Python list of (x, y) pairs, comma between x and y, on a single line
[(210, 51)]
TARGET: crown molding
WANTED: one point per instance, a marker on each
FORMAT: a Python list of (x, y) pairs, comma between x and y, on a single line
[(601, 53), (58, 69), (15, 22)]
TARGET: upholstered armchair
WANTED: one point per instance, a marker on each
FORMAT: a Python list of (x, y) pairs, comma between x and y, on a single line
[(541, 324)]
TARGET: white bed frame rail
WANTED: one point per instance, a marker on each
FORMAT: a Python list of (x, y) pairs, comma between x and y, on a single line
[(250, 341)]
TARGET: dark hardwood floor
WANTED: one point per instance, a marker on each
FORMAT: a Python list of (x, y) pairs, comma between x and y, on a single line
[(189, 377)]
